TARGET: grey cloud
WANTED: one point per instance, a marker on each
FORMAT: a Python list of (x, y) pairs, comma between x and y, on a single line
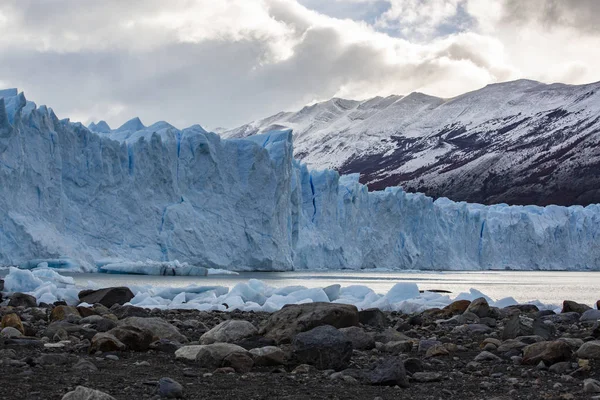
[(581, 15)]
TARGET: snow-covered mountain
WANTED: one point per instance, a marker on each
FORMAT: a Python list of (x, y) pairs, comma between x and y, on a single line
[(157, 193), (520, 142)]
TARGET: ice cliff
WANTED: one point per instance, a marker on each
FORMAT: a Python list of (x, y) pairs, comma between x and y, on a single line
[(163, 194)]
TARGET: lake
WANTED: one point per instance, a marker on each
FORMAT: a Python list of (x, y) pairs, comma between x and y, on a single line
[(547, 286)]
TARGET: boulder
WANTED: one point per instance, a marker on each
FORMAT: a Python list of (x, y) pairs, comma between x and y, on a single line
[(12, 321), (240, 362), (107, 296), (596, 330), (69, 328), (571, 306), (10, 332), (122, 312), (373, 317), (390, 335), (60, 313), (479, 307), (325, 347), (268, 356), (457, 307), (436, 351), (159, 328), (105, 342), (590, 315), (188, 352), (84, 393), (591, 386), (165, 346), (230, 331), (517, 325), (388, 372), (135, 339), (590, 350), (99, 323), (22, 300), (213, 355), (548, 352), (169, 388), (284, 324), (361, 340), (404, 346)]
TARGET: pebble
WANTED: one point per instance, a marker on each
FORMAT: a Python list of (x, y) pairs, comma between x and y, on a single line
[(170, 388)]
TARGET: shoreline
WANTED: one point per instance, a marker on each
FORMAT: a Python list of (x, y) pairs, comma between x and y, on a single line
[(467, 349)]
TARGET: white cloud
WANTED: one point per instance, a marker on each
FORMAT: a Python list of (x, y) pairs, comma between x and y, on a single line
[(231, 61)]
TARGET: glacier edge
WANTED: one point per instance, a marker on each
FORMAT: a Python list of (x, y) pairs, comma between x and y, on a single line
[(246, 204)]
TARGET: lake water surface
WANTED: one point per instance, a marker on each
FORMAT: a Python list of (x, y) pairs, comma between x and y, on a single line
[(549, 287)]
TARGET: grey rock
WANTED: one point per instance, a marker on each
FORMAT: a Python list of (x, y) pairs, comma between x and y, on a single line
[(388, 372), (590, 315), (325, 347), (165, 346), (211, 355), (572, 306), (84, 393), (240, 362), (169, 388), (105, 342), (560, 367), (10, 332), (284, 324), (230, 331), (591, 386), (390, 335), (487, 356), (517, 325), (479, 307), (404, 346), (424, 377), (53, 359), (373, 317), (361, 340), (159, 328), (135, 339), (548, 352), (590, 350), (268, 356), (84, 365), (426, 344), (22, 300), (107, 296)]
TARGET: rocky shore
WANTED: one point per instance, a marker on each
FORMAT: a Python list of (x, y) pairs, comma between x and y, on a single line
[(468, 350)]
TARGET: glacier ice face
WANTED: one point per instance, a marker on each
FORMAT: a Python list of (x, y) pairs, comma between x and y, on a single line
[(163, 194)]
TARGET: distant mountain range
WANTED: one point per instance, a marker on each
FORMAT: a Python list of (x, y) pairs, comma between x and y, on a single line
[(521, 142)]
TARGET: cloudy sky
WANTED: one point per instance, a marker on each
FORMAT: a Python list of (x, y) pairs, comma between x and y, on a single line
[(226, 62)]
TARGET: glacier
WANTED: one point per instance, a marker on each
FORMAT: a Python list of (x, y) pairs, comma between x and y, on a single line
[(71, 196)]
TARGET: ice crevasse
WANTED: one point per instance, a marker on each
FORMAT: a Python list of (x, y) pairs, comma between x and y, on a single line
[(163, 194)]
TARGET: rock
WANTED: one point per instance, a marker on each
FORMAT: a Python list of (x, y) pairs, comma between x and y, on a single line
[(84, 393), (590, 315), (524, 308), (165, 345), (404, 346), (159, 328), (105, 342), (325, 347), (52, 359), (388, 372), (284, 324), (373, 317), (189, 352), (302, 369), (479, 307), (591, 386), (436, 351), (12, 321), (596, 330), (85, 365), (107, 296), (61, 313), (1, 285), (240, 362), (560, 367), (426, 344), (23, 343), (99, 323), (212, 355), (22, 300), (413, 365), (134, 338), (123, 312), (590, 350), (544, 329), (511, 344), (457, 307), (424, 377), (360, 339), (548, 352), (487, 356), (390, 335), (230, 331), (86, 311), (571, 306), (517, 325), (268, 356), (573, 343), (10, 332), (253, 342), (68, 327), (169, 388), (565, 318)]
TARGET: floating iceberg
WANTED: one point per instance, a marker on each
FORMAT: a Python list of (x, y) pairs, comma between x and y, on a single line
[(164, 194), (254, 295)]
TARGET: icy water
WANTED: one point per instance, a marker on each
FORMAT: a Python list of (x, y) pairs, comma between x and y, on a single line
[(548, 287)]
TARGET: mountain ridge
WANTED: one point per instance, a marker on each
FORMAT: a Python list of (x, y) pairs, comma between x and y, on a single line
[(518, 142)]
